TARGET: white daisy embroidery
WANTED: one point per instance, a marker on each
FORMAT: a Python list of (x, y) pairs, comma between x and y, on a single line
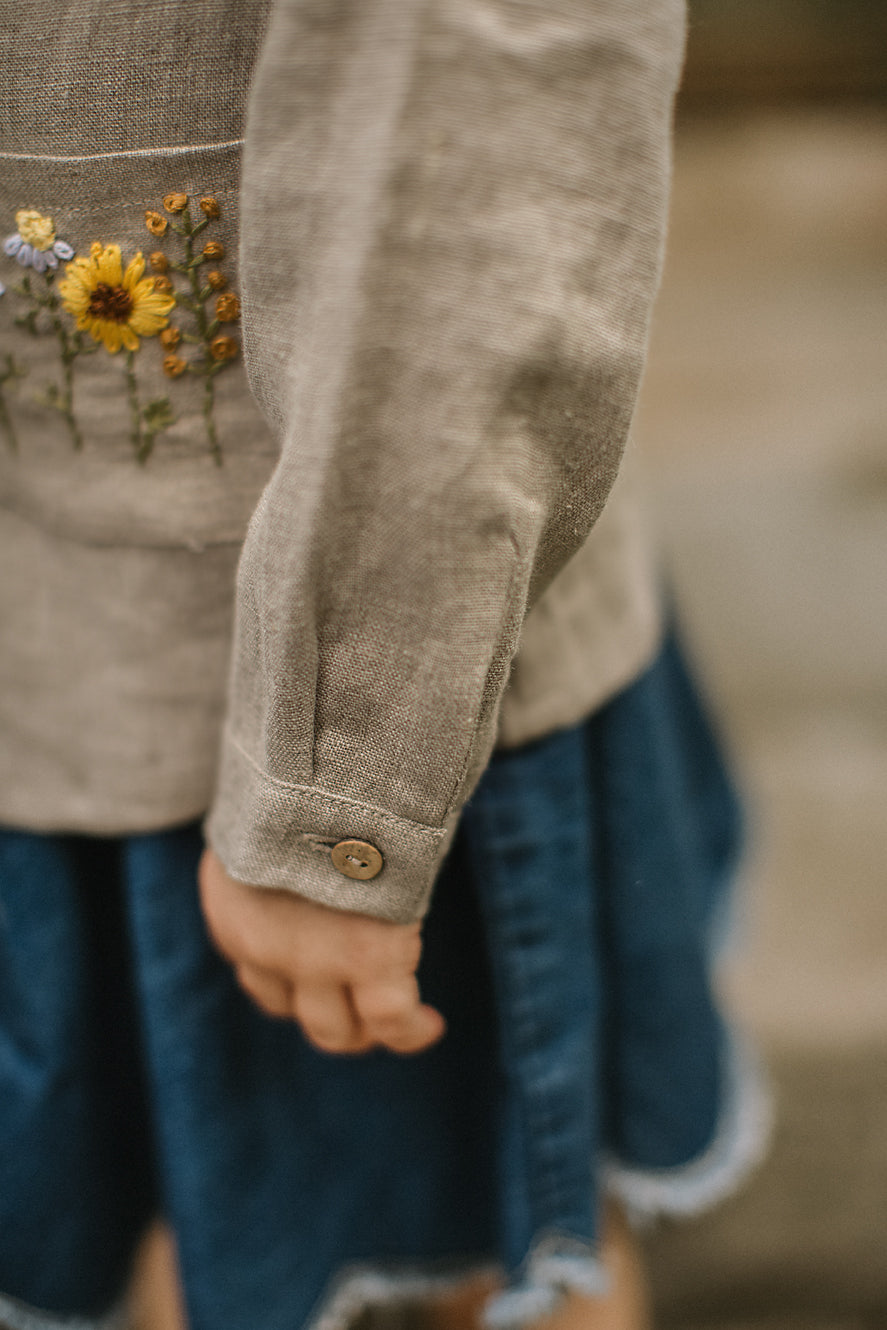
[(34, 244)]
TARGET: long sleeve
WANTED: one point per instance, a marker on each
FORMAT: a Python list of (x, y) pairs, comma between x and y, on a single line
[(451, 235)]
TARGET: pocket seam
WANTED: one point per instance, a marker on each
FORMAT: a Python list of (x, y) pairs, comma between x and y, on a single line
[(174, 151)]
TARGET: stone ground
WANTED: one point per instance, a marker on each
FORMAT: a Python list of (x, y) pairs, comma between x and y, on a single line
[(764, 421)]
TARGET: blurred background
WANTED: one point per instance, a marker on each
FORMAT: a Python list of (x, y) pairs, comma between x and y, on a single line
[(764, 422)]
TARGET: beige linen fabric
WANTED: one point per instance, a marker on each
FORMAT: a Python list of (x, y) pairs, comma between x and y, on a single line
[(450, 225)]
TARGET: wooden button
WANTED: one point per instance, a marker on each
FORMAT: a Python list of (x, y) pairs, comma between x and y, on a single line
[(357, 859)]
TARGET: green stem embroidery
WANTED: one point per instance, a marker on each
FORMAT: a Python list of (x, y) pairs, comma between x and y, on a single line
[(205, 329), (146, 422), (157, 416), (209, 419), (70, 347), (214, 349), (135, 411), (11, 372), (96, 306)]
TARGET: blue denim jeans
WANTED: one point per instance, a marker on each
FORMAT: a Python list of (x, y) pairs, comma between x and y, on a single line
[(569, 947)]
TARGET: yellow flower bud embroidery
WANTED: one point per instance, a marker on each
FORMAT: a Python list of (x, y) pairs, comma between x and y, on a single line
[(223, 348), (227, 308), (174, 366), (156, 224)]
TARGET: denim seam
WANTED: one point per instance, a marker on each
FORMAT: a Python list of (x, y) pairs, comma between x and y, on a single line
[(536, 1104)]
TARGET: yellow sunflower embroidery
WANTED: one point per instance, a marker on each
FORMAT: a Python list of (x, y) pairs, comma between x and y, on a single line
[(113, 306)]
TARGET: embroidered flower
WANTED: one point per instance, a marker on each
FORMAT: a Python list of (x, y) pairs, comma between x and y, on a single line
[(34, 244), (174, 366), (190, 273), (113, 306), (223, 348), (227, 308), (156, 224)]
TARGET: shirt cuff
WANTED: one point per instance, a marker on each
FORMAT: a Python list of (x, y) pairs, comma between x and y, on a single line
[(272, 833)]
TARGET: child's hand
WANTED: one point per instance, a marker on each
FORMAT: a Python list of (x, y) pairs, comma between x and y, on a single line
[(349, 980)]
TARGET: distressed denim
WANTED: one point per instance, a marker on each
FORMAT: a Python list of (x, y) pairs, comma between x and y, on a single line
[(569, 947)]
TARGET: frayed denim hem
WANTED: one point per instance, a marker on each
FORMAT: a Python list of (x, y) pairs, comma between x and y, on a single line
[(15, 1315), (365, 1288), (558, 1264), (740, 1144), (555, 1266)]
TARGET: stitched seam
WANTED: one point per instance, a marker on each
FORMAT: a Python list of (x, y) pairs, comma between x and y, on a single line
[(546, 1184), (171, 151), (430, 833), (122, 152), (319, 844), (545, 1180)]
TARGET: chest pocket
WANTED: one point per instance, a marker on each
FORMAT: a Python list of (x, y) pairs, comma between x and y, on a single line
[(125, 413)]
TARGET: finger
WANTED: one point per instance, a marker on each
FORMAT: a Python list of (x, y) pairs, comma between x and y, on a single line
[(392, 1014), (268, 990), (210, 880), (328, 1020)]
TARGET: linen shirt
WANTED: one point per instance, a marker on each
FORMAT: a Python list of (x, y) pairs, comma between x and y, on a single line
[(316, 473)]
